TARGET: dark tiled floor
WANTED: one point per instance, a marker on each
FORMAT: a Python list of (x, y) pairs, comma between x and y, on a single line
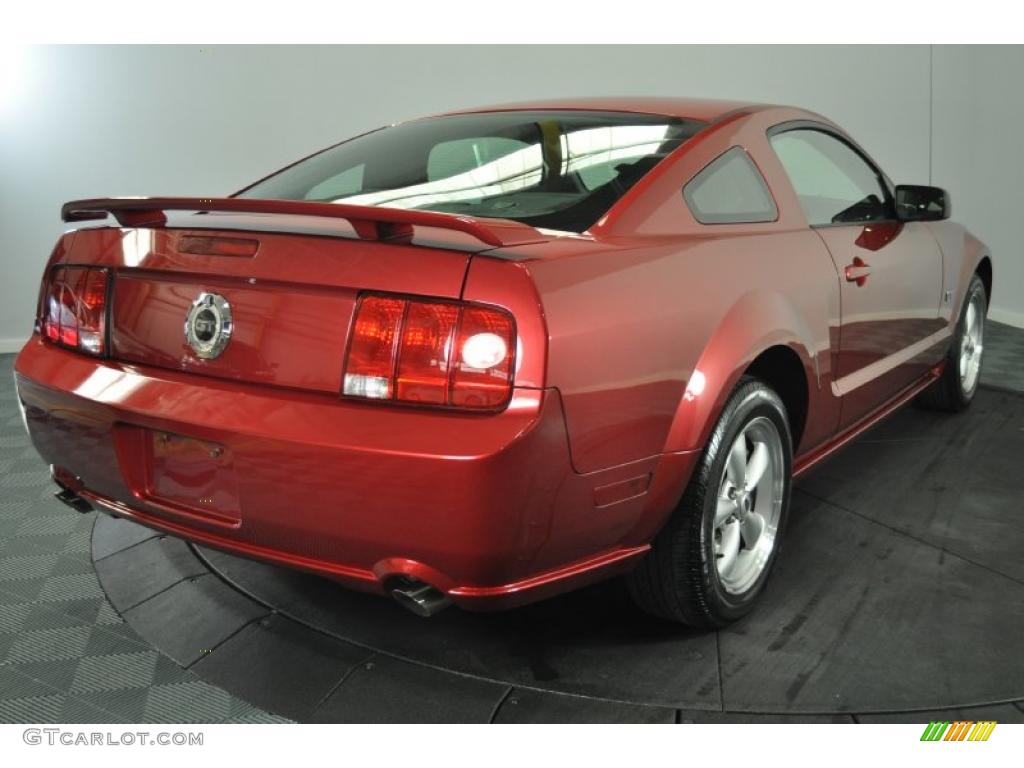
[(192, 617), (67, 656), (1004, 356), (387, 690), (283, 665)]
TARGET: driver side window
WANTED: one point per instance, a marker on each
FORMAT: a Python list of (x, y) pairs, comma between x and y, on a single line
[(834, 184)]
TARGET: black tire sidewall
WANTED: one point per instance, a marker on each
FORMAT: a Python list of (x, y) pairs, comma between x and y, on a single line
[(953, 364), (750, 401)]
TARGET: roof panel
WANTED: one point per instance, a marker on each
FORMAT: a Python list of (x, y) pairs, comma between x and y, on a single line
[(705, 110)]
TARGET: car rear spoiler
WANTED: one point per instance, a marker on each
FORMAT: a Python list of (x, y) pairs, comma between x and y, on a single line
[(369, 222)]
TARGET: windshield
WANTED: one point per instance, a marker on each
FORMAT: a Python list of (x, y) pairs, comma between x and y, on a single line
[(553, 169)]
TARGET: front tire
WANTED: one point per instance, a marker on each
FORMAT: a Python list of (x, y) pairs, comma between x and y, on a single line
[(710, 563), (954, 390)]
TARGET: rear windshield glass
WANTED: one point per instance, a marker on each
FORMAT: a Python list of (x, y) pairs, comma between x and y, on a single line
[(558, 170)]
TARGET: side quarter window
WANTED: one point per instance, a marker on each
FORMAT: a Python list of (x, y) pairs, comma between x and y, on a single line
[(834, 183), (730, 190)]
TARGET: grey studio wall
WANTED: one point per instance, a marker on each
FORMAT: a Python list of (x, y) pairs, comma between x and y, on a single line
[(181, 120)]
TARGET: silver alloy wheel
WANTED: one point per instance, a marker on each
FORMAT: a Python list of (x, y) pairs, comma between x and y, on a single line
[(971, 344), (749, 505)]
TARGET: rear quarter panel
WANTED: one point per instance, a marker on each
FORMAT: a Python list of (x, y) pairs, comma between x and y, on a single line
[(628, 329), (657, 296)]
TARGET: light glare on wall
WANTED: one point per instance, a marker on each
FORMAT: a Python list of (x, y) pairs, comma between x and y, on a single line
[(13, 66)]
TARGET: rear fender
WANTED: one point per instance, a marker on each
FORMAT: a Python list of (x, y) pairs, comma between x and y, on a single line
[(757, 321)]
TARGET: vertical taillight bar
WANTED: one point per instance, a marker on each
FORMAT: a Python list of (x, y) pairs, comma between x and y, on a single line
[(74, 308)]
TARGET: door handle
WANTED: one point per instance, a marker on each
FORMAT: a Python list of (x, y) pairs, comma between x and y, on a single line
[(858, 271)]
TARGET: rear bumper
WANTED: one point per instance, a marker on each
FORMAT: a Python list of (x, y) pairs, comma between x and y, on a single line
[(486, 508)]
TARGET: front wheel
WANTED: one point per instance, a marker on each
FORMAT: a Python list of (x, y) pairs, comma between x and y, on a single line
[(954, 389), (711, 561)]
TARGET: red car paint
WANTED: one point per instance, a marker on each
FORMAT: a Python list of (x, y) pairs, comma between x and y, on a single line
[(631, 336)]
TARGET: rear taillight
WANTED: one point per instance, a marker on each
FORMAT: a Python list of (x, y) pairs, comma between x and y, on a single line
[(439, 353), (75, 308)]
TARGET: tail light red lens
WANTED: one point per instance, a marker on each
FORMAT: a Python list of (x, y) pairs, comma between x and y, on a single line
[(430, 352), (424, 357), (370, 369), (75, 309), (484, 346)]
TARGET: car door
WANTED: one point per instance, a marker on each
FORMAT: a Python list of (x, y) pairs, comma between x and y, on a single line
[(890, 271)]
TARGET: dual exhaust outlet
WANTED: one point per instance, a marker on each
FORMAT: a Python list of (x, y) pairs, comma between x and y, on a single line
[(73, 500), (422, 599), (69, 485)]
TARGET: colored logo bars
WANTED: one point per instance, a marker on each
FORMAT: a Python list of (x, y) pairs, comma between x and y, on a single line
[(961, 730)]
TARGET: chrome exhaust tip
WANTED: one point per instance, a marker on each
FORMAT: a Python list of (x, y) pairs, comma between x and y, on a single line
[(73, 500), (422, 599), (69, 484)]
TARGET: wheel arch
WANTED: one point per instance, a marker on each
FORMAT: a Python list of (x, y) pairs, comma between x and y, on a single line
[(761, 335), (781, 368), (984, 271)]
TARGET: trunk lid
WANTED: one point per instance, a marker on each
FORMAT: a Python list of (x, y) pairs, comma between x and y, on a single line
[(291, 302)]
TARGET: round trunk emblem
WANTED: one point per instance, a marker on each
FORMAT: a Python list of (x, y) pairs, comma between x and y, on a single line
[(208, 325)]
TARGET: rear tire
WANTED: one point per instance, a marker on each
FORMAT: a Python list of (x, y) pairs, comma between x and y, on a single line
[(954, 390), (710, 562)]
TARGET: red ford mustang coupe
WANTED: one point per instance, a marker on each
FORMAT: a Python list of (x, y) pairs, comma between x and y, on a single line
[(491, 356)]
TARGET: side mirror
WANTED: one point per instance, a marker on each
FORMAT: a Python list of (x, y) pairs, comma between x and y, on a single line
[(917, 203)]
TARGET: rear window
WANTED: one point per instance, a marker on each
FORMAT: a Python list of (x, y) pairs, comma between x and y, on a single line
[(554, 169)]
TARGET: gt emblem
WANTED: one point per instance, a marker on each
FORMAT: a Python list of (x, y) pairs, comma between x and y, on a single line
[(208, 325)]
